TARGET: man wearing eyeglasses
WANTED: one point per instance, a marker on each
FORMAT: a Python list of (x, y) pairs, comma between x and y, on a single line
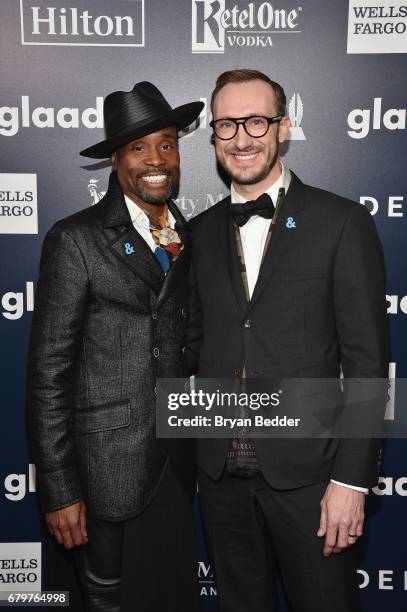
[(289, 283)]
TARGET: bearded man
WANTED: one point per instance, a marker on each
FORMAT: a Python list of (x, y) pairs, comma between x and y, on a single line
[(289, 283), (111, 310)]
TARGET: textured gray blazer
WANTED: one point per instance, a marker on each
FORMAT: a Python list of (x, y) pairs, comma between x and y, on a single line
[(107, 323)]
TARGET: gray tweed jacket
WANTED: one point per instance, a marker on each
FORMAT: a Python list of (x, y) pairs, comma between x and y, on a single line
[(107, 323)]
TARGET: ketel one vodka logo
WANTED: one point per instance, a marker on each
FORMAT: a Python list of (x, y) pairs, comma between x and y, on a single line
[(100, 23), (216, 26), (295, 112)]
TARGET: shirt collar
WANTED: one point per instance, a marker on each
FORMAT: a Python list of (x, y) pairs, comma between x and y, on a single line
[(283, 181), (139, 217)]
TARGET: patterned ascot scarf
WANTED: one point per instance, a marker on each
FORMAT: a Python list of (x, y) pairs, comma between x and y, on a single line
[(168, 240), (242, 458)]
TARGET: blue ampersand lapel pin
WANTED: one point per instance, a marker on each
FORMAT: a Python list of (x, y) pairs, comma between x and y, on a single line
[(128, 248), (290, 223)]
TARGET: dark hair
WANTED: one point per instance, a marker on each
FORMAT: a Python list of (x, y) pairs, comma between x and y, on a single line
[(242, 75)]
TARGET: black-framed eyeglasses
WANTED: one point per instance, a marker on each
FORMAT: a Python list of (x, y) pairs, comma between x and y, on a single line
[(255, 126)]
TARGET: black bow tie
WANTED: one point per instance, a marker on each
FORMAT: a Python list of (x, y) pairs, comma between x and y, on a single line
[(263, 207)]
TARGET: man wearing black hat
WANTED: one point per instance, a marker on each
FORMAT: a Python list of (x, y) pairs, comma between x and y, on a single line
[(109, 319)]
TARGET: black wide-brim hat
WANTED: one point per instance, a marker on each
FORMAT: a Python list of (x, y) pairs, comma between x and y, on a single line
[(129, 115)]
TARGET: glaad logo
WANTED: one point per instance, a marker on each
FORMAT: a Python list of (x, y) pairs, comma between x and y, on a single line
[(214, 26), (394, 303), (377, 28), (295, 112), (388, 486), (100, 25), (16, 484), (20, 563), (359, 119), (199, 124), (94, 192), (18, 204), (14, 117), (13, 303), (394, 205)]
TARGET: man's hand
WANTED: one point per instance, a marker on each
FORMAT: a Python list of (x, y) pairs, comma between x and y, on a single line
[(68, 526), (342, 517)]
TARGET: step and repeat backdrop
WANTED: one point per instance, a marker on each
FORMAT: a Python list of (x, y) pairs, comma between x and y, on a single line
[(344, 70)]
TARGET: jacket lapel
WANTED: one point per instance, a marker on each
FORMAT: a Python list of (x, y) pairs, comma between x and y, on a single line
[(232, 256), (128, 246), (284, 236), (179, 269)]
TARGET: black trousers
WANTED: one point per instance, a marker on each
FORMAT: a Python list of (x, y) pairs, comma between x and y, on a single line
[(255, 532), (147, 563)]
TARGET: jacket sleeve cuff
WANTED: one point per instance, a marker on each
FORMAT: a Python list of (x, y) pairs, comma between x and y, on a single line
[(58, 489), (349, 486)]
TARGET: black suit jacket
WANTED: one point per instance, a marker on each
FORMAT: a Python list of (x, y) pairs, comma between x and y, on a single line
[(107, 323), (319, 302)]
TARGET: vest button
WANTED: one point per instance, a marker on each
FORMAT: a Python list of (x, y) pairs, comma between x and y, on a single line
[(248, 324), (184, 313), (156, 352), (154, 316)]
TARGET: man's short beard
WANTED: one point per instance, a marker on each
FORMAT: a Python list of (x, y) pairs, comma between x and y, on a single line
[(155, 200), (253, 180)]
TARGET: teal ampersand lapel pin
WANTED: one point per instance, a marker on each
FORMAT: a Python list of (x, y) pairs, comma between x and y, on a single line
[(290, 223), (128, 248)]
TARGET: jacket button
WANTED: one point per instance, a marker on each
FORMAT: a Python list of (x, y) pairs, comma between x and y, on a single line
[(154, 316), (183, 350), (248, 324), (184, 313), (156, 352), (238, 373)]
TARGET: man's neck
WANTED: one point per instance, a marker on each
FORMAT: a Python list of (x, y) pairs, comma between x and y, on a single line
[(252, 192), (154, 210)]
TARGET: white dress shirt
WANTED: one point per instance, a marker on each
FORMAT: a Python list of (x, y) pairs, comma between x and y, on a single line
[(254, 232), (253, 235), (141, 222)]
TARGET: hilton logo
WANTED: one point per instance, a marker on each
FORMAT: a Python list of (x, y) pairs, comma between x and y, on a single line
[(100, 23), (18, 204), (214, 26)]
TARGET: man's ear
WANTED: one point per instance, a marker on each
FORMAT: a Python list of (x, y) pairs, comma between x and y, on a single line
[(283, 129), (114, 160)]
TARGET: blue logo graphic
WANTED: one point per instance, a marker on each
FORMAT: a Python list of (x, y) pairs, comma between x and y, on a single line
[(290, 223), (128, 248)]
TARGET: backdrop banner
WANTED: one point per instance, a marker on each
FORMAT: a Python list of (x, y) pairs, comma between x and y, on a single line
[(343, 67)]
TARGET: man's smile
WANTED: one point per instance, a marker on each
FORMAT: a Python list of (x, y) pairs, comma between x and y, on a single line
[(245, 157), (155, 179)]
